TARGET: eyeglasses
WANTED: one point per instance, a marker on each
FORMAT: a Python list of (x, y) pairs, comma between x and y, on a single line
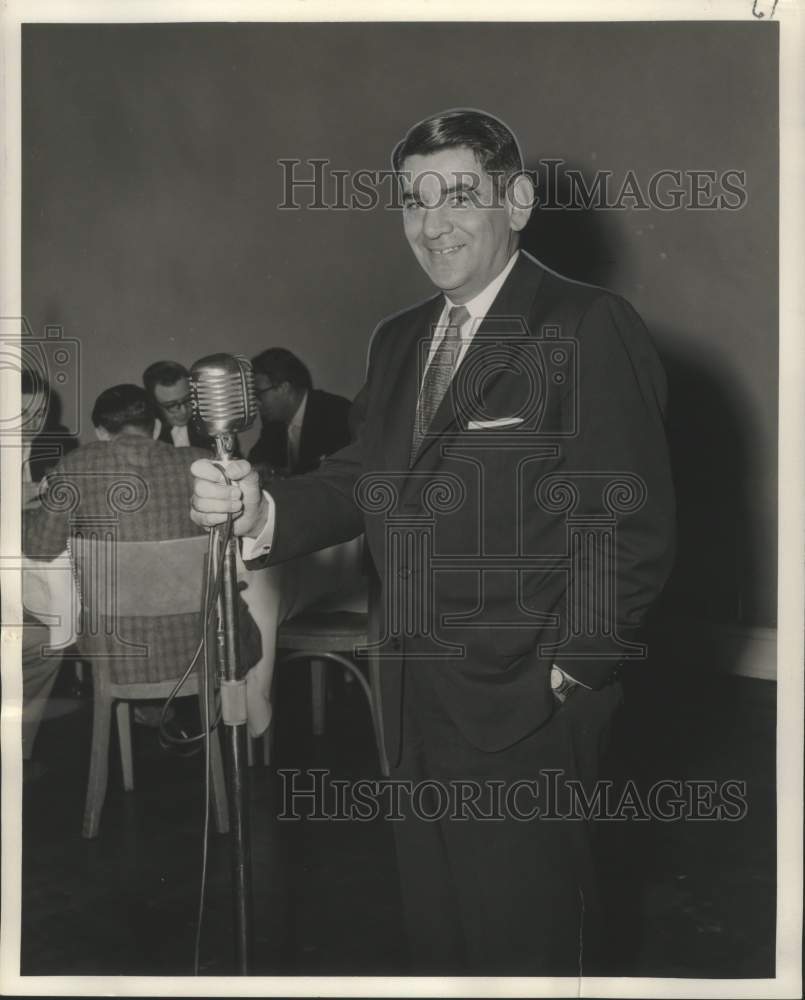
[(177, 404)]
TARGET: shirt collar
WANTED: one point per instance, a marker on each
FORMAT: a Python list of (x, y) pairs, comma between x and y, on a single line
[(298, 418), (181, 436), (478, 306)]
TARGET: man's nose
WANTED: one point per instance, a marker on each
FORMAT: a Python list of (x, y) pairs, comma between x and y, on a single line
[(436, 223)]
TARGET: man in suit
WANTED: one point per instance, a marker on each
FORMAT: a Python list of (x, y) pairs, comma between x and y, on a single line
[(512, 478), (168, 385), (139, 488), (44, 442), (300, 424), (44, 439)]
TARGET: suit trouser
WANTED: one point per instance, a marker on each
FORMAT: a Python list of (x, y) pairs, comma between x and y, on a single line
[(495, 889)]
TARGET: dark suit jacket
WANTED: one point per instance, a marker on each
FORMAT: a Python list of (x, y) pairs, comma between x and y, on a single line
[(542, 542), (325, 430)]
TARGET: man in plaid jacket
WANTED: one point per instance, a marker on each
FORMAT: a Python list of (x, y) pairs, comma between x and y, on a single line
[(140, 489)]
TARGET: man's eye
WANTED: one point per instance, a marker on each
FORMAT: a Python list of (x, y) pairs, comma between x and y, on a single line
[(461, 199), (411, 205)]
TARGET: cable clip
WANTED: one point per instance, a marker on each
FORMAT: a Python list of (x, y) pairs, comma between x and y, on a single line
[(233, 702)]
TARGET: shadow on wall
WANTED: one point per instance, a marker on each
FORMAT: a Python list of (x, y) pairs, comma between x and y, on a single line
[(579, 243), (717, 575)]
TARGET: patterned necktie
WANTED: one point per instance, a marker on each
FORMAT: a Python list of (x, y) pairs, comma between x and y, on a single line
[(437, 376)]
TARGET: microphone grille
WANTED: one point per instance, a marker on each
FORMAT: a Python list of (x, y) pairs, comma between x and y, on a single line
[(224, 396)]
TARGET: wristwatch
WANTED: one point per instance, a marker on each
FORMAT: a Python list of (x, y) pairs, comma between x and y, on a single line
[(562, 686)]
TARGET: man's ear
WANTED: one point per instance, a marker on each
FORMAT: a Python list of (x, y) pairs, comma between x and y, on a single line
[(102, 434), (520, 197), (157, 428)]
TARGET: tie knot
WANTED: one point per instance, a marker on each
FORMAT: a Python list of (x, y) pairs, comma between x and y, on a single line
[(457, 317)]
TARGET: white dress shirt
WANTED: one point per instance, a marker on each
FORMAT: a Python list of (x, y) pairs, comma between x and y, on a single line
[(180, 436), (295, 433), (477, 308)]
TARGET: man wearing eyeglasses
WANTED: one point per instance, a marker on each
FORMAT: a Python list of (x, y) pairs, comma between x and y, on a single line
[(168, 385), (300, 425)]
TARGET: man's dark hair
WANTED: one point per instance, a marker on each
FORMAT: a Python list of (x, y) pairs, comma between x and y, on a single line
[(124, 406), (280, 365), (163, 373), (493, 143)]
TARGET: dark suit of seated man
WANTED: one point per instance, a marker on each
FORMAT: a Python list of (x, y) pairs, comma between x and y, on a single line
[(511, 475), (44, 439), (168, 385), (301, 425)]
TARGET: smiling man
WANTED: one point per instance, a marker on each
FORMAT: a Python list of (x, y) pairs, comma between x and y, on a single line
[(300, 424), (462, 223), (511, 475)]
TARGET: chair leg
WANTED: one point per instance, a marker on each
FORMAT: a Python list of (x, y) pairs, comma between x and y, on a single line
[(123, 711), (317, 687), (98, 764), (268, 735), (220, 804), (267, 738)]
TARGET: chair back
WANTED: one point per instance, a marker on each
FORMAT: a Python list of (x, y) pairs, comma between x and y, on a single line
[(139, 579)]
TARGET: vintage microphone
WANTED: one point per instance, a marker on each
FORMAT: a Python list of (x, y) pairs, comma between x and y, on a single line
[(225, 402)]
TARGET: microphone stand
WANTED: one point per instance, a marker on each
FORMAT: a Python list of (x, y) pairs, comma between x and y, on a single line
[(233, 714)]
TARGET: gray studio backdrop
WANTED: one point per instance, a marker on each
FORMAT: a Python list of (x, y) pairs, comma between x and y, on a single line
[(151, 226)]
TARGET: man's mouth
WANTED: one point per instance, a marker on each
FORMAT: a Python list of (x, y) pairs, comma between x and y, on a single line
[(445, 251)]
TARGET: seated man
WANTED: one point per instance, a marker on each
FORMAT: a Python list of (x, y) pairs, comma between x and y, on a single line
[(301, 425), (168, 385), (138, 488), (44, 439)]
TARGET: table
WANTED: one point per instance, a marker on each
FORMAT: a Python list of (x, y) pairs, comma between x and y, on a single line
[(276, 593)]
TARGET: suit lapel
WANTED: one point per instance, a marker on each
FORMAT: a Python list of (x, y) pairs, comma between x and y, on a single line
[(402, 399), (507, 317)]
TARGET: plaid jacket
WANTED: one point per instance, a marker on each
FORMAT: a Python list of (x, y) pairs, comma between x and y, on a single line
[(140, 489)]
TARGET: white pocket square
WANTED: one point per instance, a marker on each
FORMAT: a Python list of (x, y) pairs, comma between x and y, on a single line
[(489, 425)]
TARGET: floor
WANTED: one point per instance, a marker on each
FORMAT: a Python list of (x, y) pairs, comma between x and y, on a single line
[(689, 898)]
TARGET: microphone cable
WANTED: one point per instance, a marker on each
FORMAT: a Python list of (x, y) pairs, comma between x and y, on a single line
[(168, 739), (213, 582), (219, 539), (215, 548)]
